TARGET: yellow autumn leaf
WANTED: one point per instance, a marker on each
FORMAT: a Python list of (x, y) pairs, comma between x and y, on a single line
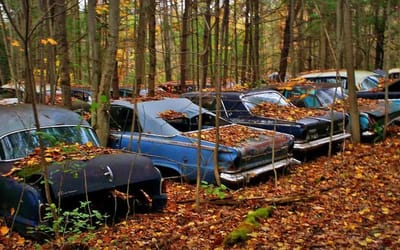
[(21, 241), (31, 162), (89, 144), (4, 230), (385, 210), (364, 211), (52, 41), (15, 43), (43, 41), (48, 159)]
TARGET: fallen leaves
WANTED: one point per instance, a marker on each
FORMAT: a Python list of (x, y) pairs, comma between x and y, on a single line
[(171, 114), (346, 211), (231, 135), (60, 153), (290, 113)]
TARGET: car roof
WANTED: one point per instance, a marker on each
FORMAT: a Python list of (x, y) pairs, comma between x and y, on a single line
[(18, 117), (359, 75), (148, 113)]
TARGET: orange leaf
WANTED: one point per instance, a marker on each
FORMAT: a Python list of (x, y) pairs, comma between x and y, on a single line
[(4, 230)]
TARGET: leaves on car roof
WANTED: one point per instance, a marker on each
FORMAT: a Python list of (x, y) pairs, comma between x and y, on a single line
[(171, 114), (291, 113)]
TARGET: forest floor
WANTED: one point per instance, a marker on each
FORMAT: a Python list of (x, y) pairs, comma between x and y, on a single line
[(348, 201)]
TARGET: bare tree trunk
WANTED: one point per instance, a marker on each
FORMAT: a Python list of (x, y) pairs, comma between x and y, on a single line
[(225, 41), (166, 40), (108, 73), (63, 51), (293, 8), (151, 14), (380, 28), (348, 51), (140, 48), (255, 41), (245, 54), (184, 43), (94, 55), (206, 44)]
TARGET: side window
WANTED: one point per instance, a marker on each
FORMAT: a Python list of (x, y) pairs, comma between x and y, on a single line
[(208, 103), (121, 119)]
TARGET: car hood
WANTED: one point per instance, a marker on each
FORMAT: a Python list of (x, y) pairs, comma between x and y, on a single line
[(376, 108), (104, 172), (247, 140)]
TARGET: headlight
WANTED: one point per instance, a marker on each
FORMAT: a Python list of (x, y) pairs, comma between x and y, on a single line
[(312, 134)]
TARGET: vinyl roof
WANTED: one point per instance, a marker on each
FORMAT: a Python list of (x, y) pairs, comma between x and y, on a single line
[(18, 117)]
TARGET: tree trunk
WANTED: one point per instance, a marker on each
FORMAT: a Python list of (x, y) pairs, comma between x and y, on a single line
[(140, 48), (166, 40), (245, 54), (94, 55), (292, 9), (152, 46), (380, 28), (63, 52), (206, 44), (225, 41), (348, 52), (184, 43), (103, 97)]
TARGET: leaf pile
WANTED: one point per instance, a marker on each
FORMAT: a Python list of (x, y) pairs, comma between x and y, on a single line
[(232, 135), (171, 114), (353, 203), (234, 88), (61, 153), (290, 113), (363, 104)]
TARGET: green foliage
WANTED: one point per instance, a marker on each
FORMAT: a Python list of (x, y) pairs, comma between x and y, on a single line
[(378, 129), (250, 223), (71, 222), (103, 99), (211, 189)]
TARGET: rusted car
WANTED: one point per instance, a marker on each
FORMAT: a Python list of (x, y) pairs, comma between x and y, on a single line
[(78, 168), (168, 132), (268, 109)]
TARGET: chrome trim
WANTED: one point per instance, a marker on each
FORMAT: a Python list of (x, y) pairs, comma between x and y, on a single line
[(246, 176), (317, 143)]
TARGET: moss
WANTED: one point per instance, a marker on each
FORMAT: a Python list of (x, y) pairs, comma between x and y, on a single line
[(250, 223)]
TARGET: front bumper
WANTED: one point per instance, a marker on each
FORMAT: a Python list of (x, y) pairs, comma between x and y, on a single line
[(246, 176), (320, 142)]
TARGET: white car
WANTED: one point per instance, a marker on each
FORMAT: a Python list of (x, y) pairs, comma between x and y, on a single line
[(365, 80)]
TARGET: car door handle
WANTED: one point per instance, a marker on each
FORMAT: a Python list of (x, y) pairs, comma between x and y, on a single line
[(109, 174)]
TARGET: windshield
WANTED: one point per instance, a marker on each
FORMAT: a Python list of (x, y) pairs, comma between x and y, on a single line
[(185, 124), (370, 82), (251, 100), (327, 96), (20, 144)]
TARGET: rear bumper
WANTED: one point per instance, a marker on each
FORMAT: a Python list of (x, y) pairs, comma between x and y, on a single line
[(246, 176), (320, 142)]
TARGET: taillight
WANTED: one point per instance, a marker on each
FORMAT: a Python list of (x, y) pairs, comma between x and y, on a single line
[(163, 186), (42, 212)]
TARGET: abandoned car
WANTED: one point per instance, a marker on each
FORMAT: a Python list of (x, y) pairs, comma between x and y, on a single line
[(268, 109), (168, 132), (78, 169)]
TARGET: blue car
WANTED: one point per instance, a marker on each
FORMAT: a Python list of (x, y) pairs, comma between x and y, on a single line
[(371, 108), (311, 131), (78, 169), (167, 131)]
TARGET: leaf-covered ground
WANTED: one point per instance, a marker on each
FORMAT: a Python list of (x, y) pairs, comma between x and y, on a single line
[(351, 200)]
